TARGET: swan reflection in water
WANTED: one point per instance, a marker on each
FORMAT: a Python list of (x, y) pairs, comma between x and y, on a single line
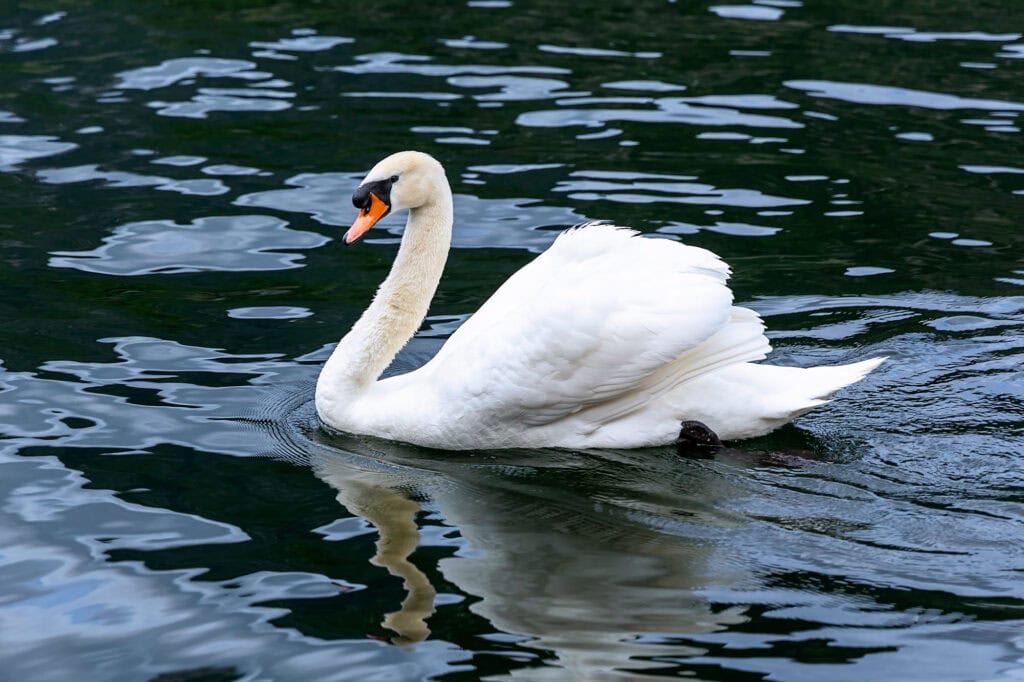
[(591, 556)]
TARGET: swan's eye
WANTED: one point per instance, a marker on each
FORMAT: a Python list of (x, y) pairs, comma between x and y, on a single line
[(394, 179)]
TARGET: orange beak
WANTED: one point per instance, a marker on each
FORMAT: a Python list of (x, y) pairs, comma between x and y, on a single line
[(368, 217)]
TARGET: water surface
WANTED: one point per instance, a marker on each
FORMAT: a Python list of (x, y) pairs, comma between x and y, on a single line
[(175, 179)]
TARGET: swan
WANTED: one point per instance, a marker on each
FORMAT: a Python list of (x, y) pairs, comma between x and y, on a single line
[(607, 339)]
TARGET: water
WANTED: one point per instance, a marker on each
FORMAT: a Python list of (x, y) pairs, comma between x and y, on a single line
[(175, 179)]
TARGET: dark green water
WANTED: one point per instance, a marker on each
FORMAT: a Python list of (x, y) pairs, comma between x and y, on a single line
[(174, 178)]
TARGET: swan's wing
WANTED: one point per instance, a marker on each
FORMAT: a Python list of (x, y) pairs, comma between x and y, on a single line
[(584, 323)]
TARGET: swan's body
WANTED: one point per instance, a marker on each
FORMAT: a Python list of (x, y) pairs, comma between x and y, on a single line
[(605, 340)]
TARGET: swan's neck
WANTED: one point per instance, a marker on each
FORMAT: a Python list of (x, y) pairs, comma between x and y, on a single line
[(398, 308)]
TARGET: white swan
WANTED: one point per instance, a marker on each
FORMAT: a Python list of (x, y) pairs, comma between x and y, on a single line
[(605, 340)]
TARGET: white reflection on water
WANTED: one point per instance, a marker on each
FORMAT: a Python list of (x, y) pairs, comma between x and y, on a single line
[(15, 149), (574, 581), (749, 12), (914, 36), (173, 71), (397, 62), (85, 173), (867, 93), (186, 70), (215, 243), (640, 188), (661, 110)]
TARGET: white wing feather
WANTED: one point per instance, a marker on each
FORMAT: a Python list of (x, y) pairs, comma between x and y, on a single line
[(592, 319)]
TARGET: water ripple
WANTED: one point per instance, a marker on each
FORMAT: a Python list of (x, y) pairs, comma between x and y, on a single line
[(16, 149), (644, 189), (914, 36), (216, 243), (397, 62), (595, 52), (472, 43), (173, 71), (202, 104), (515, 88), (866, 93), (306, 43), (665, 110), (750, 12), (196, 187)]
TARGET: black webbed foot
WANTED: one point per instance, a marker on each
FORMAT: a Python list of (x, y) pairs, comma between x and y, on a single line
[(696, 439)]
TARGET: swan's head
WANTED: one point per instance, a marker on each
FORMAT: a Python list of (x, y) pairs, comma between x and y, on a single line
[(402, 180)]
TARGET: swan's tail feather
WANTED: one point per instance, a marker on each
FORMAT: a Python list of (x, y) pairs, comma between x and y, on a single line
[(748, 400), (825, 382), (790, 392), (793, 391)]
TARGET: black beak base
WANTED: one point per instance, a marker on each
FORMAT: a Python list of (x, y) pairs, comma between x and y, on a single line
[(361, 197)]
